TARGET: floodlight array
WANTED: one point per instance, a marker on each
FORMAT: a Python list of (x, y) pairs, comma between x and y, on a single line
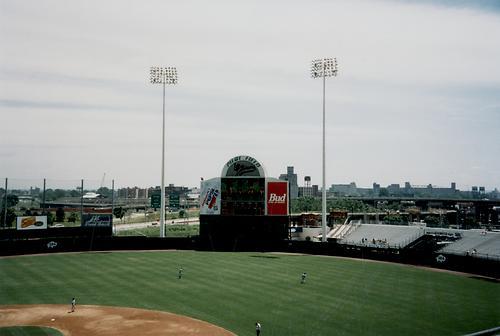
[(325, 67), (163, 75)]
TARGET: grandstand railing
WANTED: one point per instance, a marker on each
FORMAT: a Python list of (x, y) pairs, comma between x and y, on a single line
[(333, 232), (343, 230), (486, 256)]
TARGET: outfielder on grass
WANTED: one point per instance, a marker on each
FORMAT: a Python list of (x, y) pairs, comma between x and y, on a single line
[(257, 328), (303, 277), (180, 272)]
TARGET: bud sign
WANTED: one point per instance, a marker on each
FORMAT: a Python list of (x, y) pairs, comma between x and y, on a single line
[(277, 198)]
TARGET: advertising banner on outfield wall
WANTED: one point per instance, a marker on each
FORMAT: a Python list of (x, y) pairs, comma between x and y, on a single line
[(97, 219), (31, 222), (210, 197), (277, 198)]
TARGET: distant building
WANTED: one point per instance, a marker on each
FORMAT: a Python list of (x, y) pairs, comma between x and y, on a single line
[(433, 191), (133, 192), (309, 190), (495, 194), (176, 190), (291, 177), (408, 190), (394, 190), (340, 190), (478, 192)]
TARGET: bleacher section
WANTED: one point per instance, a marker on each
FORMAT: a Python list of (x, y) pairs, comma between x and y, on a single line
[(382, 236), (476, 243)]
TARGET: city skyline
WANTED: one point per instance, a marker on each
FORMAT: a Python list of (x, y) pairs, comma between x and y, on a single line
[(71, 184), (416, 97)]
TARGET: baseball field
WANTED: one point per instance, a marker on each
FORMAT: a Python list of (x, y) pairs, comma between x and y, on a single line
[(234, 290)]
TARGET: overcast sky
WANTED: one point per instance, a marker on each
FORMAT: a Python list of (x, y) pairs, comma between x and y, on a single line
[(417, 97)]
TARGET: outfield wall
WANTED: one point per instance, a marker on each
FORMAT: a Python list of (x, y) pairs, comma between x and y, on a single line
[(420, 257), (82, 244), (75, 231), (230, 233)]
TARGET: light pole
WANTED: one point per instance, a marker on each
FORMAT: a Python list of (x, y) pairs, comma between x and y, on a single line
[(325, 67), (163, 75)]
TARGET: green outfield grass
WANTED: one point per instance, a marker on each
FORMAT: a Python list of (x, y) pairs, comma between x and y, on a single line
[(233, 290), (29, 331)]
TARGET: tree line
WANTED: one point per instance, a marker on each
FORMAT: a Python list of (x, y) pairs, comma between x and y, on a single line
[(312, 204)]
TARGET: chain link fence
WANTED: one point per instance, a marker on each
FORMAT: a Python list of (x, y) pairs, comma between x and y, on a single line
[(57, 203)]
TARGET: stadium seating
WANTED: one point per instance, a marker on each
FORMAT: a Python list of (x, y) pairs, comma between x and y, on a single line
[(383, 236), (476, 243)]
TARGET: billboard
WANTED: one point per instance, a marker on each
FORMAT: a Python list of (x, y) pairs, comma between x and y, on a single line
[(210, 197), (277, 198), (31, 222), (97, 219)]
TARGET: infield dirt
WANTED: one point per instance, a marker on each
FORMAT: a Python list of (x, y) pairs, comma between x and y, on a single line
[(100, 320)]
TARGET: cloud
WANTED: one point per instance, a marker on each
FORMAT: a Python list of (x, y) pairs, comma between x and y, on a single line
[(418, 80), (483, 5), (58, 105)]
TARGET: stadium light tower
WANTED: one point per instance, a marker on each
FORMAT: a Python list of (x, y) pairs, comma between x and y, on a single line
[(163, 75), (326, 67)]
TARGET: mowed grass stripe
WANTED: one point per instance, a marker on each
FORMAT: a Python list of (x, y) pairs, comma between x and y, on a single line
[(29, 331), (233, 290)]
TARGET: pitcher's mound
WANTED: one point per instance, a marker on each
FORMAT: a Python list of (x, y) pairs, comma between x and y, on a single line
[(100, 320)]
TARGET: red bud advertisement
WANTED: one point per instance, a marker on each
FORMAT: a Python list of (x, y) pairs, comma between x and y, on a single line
[(277, 198)]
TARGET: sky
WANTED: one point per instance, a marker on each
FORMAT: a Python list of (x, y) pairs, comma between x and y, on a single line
[(417, 96)]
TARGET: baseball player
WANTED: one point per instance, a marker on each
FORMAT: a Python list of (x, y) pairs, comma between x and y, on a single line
[(257, 328), (303, 278), (73, 304), (180, 273)]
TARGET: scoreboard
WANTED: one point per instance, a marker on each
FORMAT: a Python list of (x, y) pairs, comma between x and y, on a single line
[(243, 196), (243, 209), (244, 190)]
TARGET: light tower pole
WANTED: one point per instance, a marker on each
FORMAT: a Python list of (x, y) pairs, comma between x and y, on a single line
[(325, 67), (163, 75)]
